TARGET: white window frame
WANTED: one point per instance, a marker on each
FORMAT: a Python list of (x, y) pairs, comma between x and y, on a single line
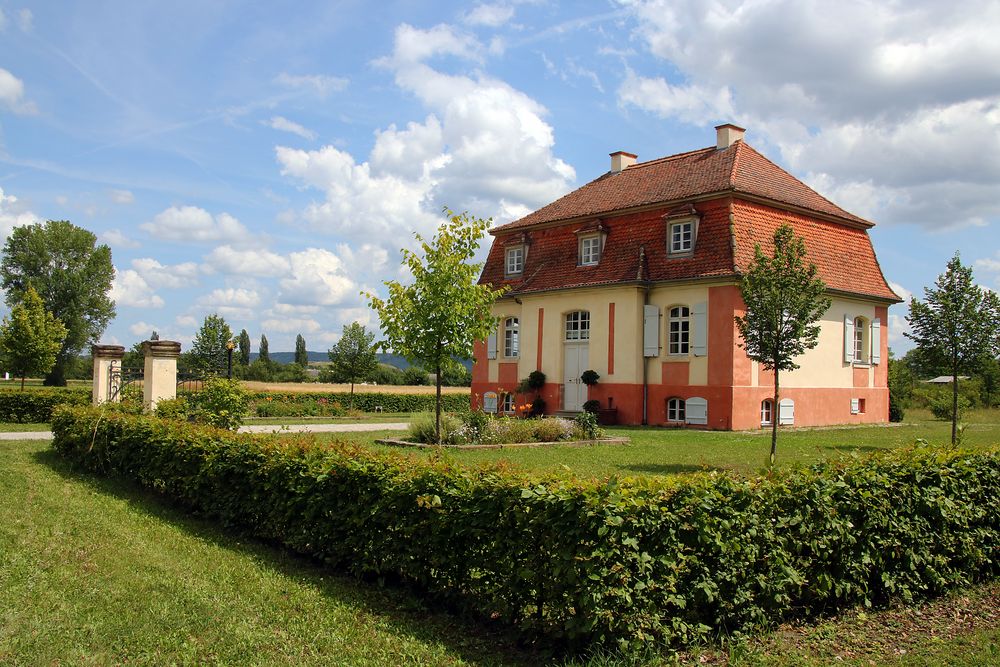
[(590, 250), (675, 410), (679, 327), (767, 412), (511, 338), (859, 339), (677, 244), (509, 260), (576, 326), (507, 405)]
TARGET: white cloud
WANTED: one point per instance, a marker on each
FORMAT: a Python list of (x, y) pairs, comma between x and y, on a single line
[(122, 196), (12, 94), (484, 147), (231, 261), (894, 106), (491, 15), (903, 293), (193, 224), (284, 125), (320, 84), (318, 277), (13, 214), (237, 303), (172, 276), (116, 238), (143, 329), (186, 321), (131, 289), (292, 325), (3, 21)]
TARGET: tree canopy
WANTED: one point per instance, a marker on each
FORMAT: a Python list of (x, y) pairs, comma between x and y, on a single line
[(784, 300), (72, 275), (352, 358), (30, 338), (301, 355), (956, 326), (264, 355), (208, 350), (443, 311), (243, 349)]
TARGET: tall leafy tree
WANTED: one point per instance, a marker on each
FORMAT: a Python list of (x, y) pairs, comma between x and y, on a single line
[(784, 301), (30, 338), (353, 358), (264, 354), (956, 326), (440, 315), (243, 348), (208, 350), (301, 355), (72, 275)]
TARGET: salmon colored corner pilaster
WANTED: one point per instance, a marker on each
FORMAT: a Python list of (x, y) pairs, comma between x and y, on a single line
[(611, 339), (541, 328)]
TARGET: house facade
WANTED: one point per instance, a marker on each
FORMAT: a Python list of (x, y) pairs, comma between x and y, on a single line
[(636, 276)]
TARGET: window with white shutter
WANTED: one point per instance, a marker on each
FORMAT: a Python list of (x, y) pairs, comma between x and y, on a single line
[(786, 412), (650, 331), (696, 409)]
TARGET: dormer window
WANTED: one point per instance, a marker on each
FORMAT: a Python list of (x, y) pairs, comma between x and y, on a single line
[(590, 250), (515, 260), (680, 238)]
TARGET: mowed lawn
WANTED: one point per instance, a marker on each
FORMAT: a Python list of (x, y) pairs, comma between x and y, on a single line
[(665, 451)]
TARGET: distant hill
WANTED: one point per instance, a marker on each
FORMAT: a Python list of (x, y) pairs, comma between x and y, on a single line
[(392, 359)]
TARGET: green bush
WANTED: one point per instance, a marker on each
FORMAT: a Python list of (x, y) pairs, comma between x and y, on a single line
[(587, 423), (613, 564), (941, 405), (220, 402), (553, 429), (423, 428), (173, 408), (35, 406)]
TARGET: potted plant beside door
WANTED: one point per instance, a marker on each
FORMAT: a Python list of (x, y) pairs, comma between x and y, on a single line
[(605, 416)]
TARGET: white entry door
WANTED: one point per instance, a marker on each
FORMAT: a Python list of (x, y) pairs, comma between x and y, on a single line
[(576, 356)]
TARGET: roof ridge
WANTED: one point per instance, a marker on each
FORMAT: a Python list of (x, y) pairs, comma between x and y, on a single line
[(668, 158)]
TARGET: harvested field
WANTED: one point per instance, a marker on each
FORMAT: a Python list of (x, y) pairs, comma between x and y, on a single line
[(322, 387)]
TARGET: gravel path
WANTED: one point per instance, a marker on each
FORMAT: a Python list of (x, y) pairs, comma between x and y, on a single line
[(256, 428)]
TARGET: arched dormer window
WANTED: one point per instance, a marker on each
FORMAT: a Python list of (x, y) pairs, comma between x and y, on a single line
[(511, 337)]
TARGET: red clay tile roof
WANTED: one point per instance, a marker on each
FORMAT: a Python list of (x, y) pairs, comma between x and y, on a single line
[(737, 169), (842, 252)]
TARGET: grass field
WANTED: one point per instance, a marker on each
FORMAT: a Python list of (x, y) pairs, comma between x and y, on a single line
[(321, 387), (98, 572), (660, 451)]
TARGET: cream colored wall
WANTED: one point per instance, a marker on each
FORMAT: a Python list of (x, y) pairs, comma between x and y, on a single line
[(823, 366), (664, 298)]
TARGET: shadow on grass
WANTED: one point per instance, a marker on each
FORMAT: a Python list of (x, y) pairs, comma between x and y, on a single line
[(667, 468), (405, 612)]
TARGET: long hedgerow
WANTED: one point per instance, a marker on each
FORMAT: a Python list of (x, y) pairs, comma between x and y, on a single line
[(624, 564)]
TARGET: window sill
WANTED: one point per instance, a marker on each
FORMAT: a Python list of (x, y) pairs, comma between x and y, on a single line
[(860, 364), (680, 255)]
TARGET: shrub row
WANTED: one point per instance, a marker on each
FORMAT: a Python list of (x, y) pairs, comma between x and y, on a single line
[(624, 564), (35, 406), (317, 403)]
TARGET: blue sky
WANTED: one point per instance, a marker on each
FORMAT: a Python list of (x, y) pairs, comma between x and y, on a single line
[(267, 161)]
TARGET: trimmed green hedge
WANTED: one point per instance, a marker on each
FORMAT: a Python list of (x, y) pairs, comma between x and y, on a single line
[(627, 564), (364, 401), (35, 406)]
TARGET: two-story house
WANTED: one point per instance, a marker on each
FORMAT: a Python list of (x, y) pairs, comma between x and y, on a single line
[(636, 276)]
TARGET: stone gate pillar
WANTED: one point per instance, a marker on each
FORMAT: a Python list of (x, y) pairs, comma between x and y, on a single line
[(106, 387), (159, 377)]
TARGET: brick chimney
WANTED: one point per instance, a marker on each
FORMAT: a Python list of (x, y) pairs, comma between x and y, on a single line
[(620, 160), (727, 135)]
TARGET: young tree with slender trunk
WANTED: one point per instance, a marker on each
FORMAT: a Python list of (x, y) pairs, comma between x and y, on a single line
[(30, 338), (208, 349), (439, 316), (957, 326), (353, 358), (784, 301)]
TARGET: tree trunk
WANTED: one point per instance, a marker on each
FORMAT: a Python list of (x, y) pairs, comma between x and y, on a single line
[(954, 404), (437, 403), (22, 383), (775, 416), (352, 394)]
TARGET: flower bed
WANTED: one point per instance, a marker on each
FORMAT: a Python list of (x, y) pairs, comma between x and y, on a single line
[(479, 428)]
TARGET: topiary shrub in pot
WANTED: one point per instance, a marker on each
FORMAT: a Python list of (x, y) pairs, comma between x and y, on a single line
[(593, 405)]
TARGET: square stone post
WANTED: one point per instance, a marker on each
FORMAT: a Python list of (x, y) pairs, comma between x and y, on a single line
[(159, 377), (105, 357)]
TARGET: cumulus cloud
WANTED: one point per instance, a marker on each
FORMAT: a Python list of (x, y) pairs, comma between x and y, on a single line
[(131, 289), (232, 261), (896, 106), (117, 239), (186, 321), (172, 276), (13, 214), (484, 146), (193, 224), (237, 303), (12, 94), (142, 329), (284, 125), (318, 277), (292, 325), (320, 84)]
